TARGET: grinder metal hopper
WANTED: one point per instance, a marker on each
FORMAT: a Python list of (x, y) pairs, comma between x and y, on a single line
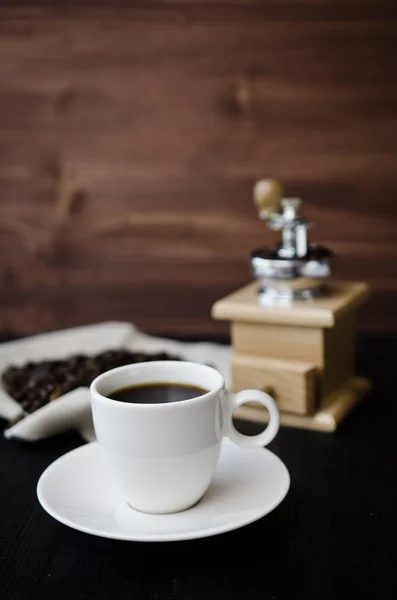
[(294, 269)]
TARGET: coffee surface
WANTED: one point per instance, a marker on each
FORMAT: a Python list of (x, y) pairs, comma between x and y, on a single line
[(157, 393)]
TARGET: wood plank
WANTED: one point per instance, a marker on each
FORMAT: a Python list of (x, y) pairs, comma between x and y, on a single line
[(292, 384), (168, 114), (339, 354), (243, 305), (279, 341)]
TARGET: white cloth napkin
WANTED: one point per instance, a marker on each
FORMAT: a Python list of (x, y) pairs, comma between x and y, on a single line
[(72, 411)]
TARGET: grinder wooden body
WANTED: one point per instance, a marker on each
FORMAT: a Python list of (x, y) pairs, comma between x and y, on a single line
[(299, 347)]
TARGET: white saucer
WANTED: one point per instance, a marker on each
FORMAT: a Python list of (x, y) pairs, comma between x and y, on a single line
[(247, 485)]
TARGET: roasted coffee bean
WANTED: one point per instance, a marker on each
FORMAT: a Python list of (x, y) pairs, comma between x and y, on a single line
[(18, 394)]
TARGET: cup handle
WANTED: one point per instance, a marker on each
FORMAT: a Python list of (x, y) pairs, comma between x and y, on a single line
[(253, 441)]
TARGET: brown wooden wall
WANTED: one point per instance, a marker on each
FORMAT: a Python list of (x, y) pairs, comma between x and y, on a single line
[(165, 116)]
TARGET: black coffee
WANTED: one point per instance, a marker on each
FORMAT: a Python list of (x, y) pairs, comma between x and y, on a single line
[(157, 393)]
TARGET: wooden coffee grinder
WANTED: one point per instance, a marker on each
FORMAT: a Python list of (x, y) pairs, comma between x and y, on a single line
[(293, 328)]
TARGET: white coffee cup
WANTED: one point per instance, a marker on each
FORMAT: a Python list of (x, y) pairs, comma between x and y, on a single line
[(163, 456)]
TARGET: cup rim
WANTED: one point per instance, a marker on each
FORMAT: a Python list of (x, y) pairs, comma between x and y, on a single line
[(110, 401)]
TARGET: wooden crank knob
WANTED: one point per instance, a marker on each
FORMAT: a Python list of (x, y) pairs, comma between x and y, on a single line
[(267, 195)]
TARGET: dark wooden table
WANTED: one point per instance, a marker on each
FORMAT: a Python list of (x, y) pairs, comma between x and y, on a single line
[(334, 535)]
